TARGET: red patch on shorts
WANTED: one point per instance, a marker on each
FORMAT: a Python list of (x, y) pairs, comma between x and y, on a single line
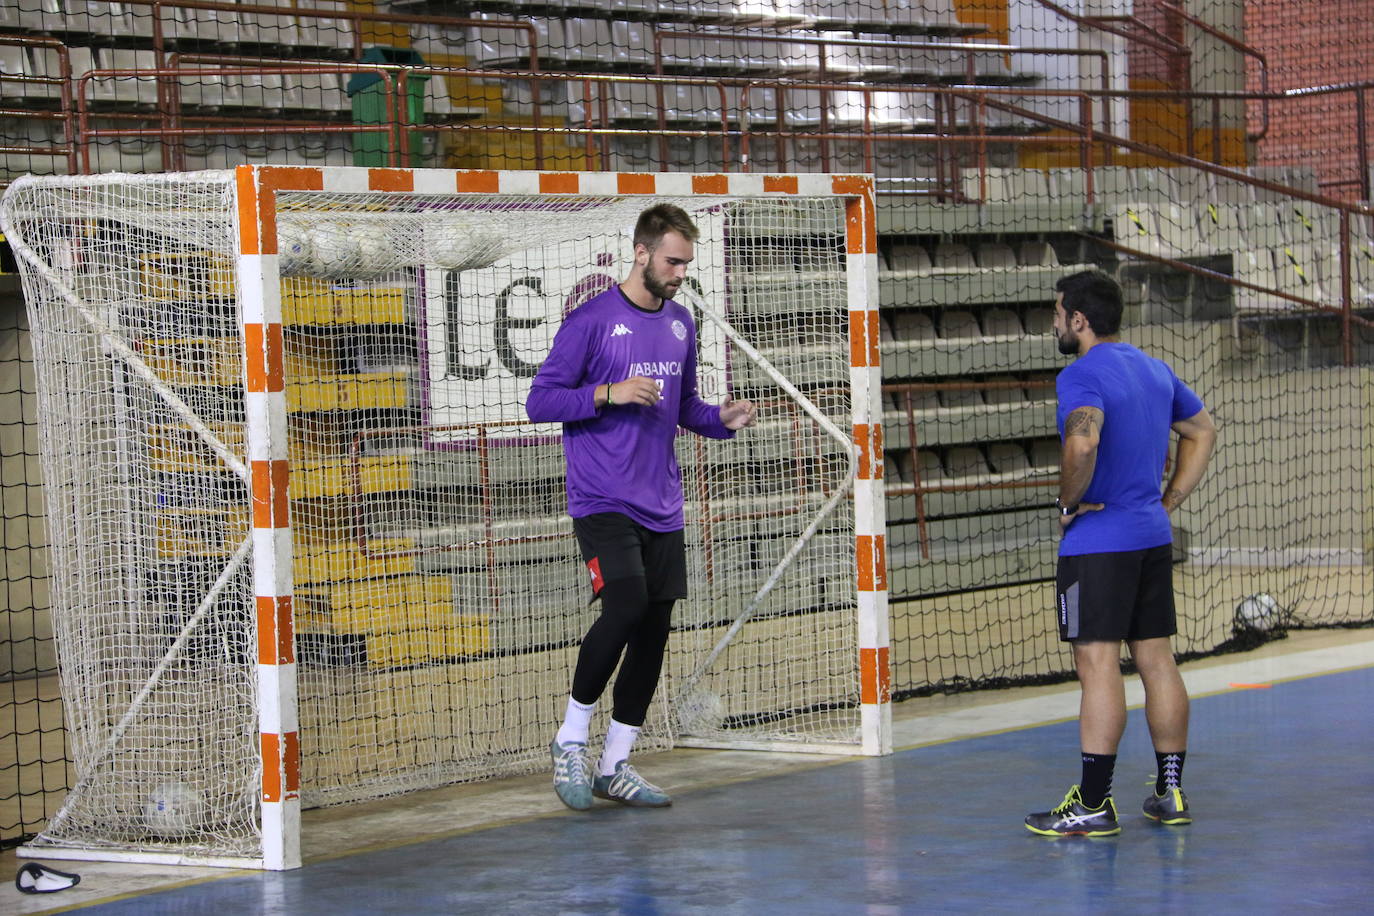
[(594, 567)]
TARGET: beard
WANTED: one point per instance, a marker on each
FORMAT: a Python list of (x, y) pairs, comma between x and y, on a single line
[(1068, 345), (659, 286)]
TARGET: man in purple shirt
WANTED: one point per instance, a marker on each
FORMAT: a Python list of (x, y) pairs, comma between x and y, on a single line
[(621, 377)]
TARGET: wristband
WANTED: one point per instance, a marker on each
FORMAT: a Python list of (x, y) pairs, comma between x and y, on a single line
[(609, 402)]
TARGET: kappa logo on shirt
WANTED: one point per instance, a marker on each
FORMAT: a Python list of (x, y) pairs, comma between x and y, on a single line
[(620, 330)]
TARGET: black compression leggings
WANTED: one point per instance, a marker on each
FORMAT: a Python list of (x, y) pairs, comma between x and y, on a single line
[(631, 623)]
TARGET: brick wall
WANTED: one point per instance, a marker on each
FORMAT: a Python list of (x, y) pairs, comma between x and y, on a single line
[(1313, 43)]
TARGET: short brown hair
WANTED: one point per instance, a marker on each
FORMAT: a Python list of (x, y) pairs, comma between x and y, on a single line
[(661, 219)]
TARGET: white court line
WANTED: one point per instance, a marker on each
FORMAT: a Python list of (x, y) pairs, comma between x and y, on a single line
[(1059, 706)]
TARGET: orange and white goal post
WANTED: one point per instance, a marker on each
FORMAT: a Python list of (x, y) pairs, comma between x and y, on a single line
[(307, 549)]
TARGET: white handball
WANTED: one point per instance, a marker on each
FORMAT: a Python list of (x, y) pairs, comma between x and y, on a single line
[(1259, 612), (335, 250), (295, 253), (173, 809), (455, 245), (376, 253)]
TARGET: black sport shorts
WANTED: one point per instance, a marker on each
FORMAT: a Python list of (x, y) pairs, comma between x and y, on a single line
[(1113, 596), (615, 546)]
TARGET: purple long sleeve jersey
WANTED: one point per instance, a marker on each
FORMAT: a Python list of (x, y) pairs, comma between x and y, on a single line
[(621, 458)]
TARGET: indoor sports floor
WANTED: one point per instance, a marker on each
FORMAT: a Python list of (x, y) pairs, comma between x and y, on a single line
[(1279, 778)]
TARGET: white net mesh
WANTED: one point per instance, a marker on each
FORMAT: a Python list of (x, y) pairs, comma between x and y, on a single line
[(439, 595)]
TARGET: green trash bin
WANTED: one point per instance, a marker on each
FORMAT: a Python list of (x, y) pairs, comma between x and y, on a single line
[(368, 93)]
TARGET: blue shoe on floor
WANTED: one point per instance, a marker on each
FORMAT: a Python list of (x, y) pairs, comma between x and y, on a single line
[(629, 788), (572, 776)]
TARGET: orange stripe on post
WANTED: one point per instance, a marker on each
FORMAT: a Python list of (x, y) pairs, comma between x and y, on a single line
[(869, 437), (632, 183), (870, 554), (270, 498), (276, 178), (275, 630), (479, 181), (264, 357), (390, 180), (710, 184), (860, 227), (250, 242), (559, 183), (863, 339), (780, 184), (281, 766), (875, 677)]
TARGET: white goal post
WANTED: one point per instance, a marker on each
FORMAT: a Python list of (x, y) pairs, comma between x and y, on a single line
[(307, 548)]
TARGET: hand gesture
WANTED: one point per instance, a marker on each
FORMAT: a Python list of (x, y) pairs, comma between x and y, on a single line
[(635, 390), (738, 414)]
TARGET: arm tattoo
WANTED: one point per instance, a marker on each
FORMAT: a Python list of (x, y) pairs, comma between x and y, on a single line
[(1173, 498), (1082, 422)]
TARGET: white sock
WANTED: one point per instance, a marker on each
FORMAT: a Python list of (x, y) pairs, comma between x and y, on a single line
[(619, 739), (577, 723)]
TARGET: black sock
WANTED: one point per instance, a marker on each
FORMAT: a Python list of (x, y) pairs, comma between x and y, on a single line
[(1097, 778), (1170, 773)]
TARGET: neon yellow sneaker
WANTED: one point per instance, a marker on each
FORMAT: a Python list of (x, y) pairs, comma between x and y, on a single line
[(1073, 818), (1170, 808)]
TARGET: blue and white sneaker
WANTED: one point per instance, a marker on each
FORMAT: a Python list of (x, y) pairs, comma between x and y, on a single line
[(572, 776), (629, 788)]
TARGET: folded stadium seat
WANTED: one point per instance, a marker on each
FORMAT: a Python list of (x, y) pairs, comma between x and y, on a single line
[(928, 466), (953, 256), (1219, 227), (1039, 320), (995, 255), (913, 325), (1113, 183), (1045, 453), (1263, 226), (1036, 254), (987, 186), (892, 468), (15, 62), (909, 257), (965, 461), (801, 107), (920, 400), (1256, 266), (961, 397), (959, 324), (1005, 395), (1007, 457), (885, 332), (1002, 322), (1303, 271)]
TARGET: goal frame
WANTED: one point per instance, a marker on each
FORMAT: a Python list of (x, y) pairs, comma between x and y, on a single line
[(257, 272)]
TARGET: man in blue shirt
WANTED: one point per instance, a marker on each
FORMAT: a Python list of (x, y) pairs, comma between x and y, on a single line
[(1114, 583), (621, 377)]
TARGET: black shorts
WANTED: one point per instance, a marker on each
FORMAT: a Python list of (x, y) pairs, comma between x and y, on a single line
[(615, 546), (1114, 596)]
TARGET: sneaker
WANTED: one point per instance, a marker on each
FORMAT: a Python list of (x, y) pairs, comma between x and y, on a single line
[(1073, 818), (629, 788), (572, 776), (1170, 808)]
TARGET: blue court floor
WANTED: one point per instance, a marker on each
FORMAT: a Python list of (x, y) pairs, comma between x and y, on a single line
[(1280, 780)]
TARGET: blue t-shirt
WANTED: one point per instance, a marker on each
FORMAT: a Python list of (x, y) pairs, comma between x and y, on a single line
[(1140, 399), (621, 458)]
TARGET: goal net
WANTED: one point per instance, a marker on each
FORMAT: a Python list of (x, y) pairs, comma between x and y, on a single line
[(308, 549)]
